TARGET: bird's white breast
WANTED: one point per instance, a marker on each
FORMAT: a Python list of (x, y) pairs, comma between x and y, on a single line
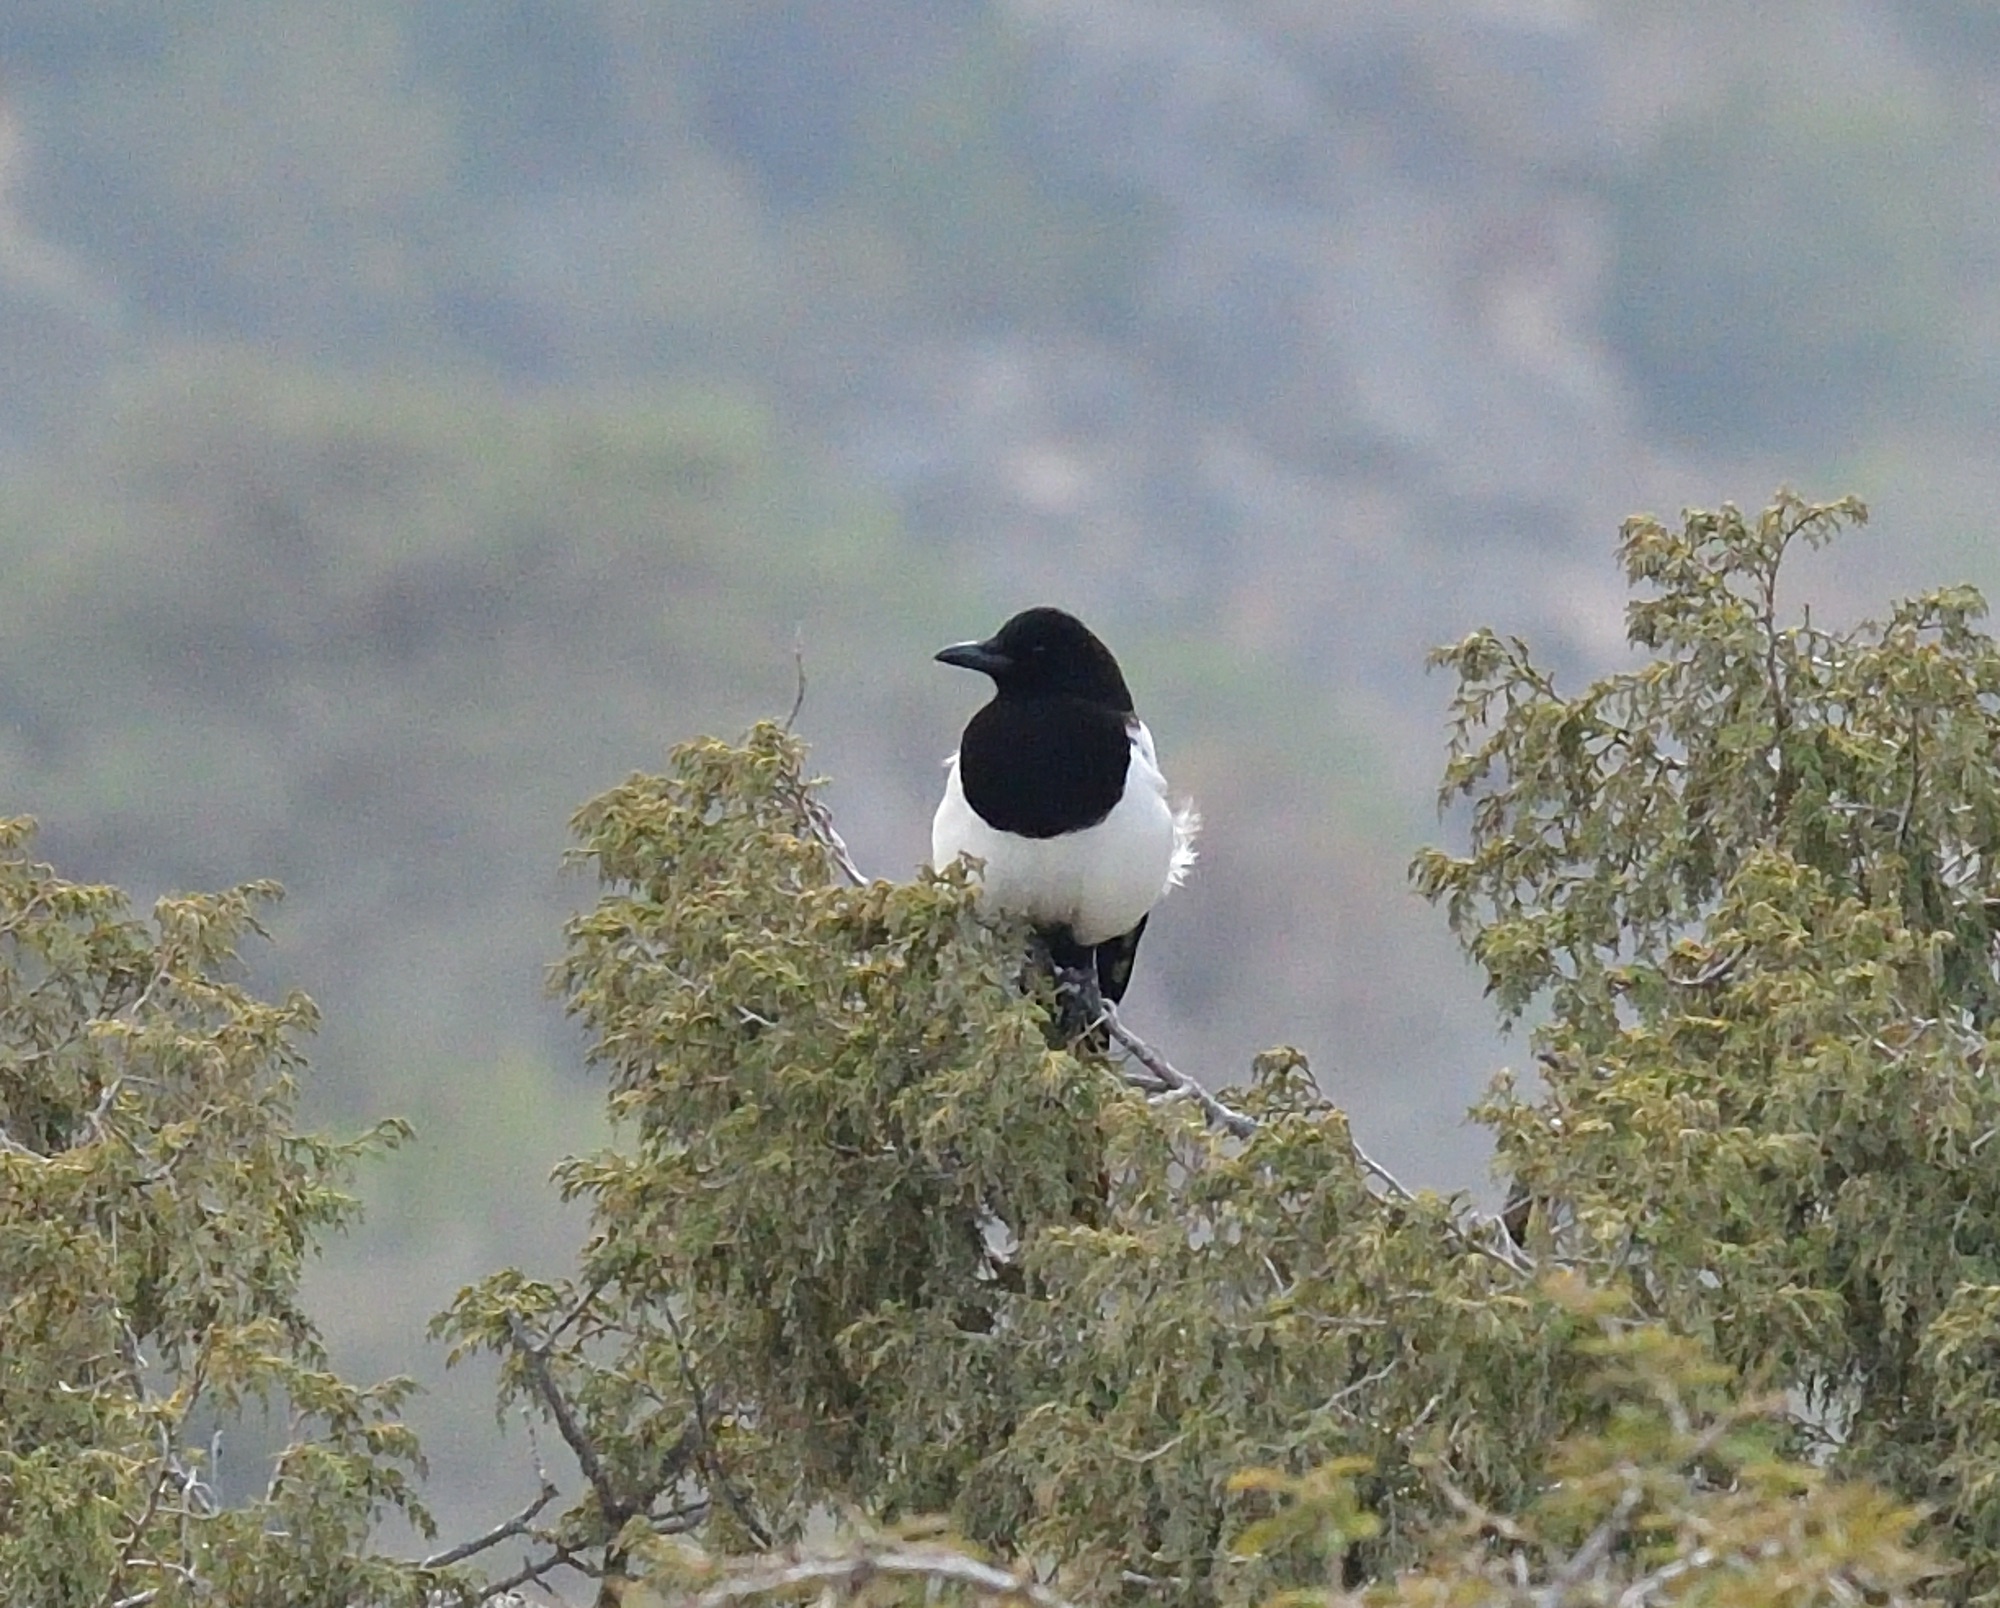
[(1097, 881)]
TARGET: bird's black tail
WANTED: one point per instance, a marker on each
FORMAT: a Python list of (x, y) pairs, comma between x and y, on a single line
[(1114, 962)]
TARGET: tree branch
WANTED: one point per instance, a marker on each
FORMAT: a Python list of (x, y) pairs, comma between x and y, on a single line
[(517, 1525), (536, 1358), (1504, 1251), (561, 1557), (1641, 1589), (851, 1574), (1596, 1547), (820, 827), (1223, 1116), (799, 669)]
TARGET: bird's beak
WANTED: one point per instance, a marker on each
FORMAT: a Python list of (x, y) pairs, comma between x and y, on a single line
[(982, 656)]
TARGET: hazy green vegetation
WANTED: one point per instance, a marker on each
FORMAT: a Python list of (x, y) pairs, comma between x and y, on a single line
[(418, 415), (1794, 268)]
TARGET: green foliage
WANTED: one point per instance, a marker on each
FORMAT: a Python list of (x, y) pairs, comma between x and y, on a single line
[(836, 1103), (1676, 1496), (868, 1256), (156, 1208), (867, 1242), (1753, 882)]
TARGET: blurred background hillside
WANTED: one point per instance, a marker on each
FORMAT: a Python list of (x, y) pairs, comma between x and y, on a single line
[(415, 415)]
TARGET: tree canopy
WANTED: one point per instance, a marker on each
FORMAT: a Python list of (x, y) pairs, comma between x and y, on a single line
[(157, 1203), (885, 1293)]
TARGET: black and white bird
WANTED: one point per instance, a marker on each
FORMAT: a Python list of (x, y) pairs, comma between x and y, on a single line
[(1056, 790)]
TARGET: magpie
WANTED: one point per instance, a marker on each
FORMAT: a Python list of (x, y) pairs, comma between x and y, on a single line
[(1056, 790)]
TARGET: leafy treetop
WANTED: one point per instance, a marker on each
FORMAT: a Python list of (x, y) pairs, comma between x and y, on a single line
[(1753, 884), (875, 1246), (870, 1252), (157, 1204)]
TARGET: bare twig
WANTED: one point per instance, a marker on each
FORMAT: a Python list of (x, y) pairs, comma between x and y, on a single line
[(1142, 1458), (1474, 1513), (1380, 1173), (1714, 972), (799, 666), (560, 1557), (135, 1008), (852, 1573), (1634, 1595), (171, 1468), (575, 1310), (1409, 1431), (128, 1551), (680, 1520), (1495, 1241), (1359, 1385), (1164, 1071), (615, 1508), (818, 818), (1908, 812), (819, 823), (517, 1525)]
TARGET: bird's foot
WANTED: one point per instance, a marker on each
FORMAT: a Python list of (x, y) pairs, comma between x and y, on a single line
[(1080, 1006)]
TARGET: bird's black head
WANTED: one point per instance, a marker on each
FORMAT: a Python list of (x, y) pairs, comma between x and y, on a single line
[(1045, 653)]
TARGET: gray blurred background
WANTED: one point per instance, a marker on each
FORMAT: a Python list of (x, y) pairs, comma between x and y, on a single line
[(415, 415)]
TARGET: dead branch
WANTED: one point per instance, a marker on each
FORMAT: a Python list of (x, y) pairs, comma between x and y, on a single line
[(517, 1525), (1165, 1073), (850, 1574)]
